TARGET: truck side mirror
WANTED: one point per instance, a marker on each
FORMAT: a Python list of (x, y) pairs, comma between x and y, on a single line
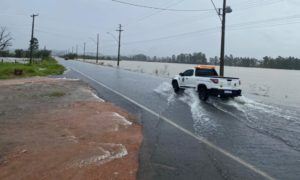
[(180, 74)]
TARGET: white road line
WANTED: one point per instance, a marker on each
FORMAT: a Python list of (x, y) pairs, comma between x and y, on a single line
[(201, 139)]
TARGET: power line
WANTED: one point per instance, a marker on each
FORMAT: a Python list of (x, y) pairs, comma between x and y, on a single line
[(173, 36), (255, 5), (65, 36), (297, 16), (209, 30), (158, 8), (61, 35), (257, 2), (216, 9), (263, 26), (232, 26), (152, 14)]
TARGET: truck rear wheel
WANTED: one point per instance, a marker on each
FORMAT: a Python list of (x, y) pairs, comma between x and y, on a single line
[(203, 93), (175, 87)]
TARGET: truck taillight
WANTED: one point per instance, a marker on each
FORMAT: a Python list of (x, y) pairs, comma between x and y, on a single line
[(216, 81)]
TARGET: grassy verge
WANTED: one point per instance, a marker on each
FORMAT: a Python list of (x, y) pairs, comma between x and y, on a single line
[(46, 67)]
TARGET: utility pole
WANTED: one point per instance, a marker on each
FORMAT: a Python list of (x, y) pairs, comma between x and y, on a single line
[(83, 51), (44, 52), (76, 51), (31, 40), (119, 46), (222, 55), (97, 56)]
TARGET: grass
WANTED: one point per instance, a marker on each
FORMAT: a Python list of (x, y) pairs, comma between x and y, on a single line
[(46, 67), (56, 94)]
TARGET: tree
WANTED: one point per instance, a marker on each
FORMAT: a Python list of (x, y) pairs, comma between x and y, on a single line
[(34, 43), (46, 53), (4, 54), (214, 60), (19, 53), (173, 58), (140, 57), (5, 39)]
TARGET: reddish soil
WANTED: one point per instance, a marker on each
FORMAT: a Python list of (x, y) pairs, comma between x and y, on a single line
[(57, 129)]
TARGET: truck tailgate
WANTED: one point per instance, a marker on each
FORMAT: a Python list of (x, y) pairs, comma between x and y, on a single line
[(229, 83)]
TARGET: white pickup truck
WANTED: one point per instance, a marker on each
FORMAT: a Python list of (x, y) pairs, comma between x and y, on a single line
[(205, 80)]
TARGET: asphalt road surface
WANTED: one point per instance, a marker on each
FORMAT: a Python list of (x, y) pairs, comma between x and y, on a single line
[(188, 139)]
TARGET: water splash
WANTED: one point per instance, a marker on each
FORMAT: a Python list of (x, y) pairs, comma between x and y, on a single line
[(278, 122), (165, 89), (203, 123)]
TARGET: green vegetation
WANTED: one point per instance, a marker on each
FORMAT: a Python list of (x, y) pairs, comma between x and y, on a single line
[(200, 58), (20, 53), (266, 62), (56, 94), (47, 66)]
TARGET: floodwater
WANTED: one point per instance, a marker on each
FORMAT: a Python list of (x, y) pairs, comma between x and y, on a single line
[(268, 85), (13, 60)]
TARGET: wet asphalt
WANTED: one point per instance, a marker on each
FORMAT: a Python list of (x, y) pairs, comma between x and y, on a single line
[(169, 153)]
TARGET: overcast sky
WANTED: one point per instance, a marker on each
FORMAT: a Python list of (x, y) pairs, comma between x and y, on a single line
[(255, 27)]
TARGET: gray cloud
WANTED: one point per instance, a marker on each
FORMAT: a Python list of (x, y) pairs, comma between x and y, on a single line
[(255, 28)]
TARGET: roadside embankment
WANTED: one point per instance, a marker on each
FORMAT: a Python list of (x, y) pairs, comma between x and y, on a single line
[(59, 129)]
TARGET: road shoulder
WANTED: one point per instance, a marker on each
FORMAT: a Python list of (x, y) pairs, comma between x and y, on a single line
[(58, 128)]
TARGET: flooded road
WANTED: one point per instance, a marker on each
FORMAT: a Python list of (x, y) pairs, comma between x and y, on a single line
[(261, 134), (277, 121), (268, 85)]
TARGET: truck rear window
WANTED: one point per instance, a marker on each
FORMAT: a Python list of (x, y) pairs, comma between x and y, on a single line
[(206, 72)]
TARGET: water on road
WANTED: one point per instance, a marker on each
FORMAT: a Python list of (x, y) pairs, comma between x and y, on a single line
[(276, 121)]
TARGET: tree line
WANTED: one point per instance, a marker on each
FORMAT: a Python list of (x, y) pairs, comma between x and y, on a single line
[(200, 58), (266, 62), (229, 60), (20, 53)]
